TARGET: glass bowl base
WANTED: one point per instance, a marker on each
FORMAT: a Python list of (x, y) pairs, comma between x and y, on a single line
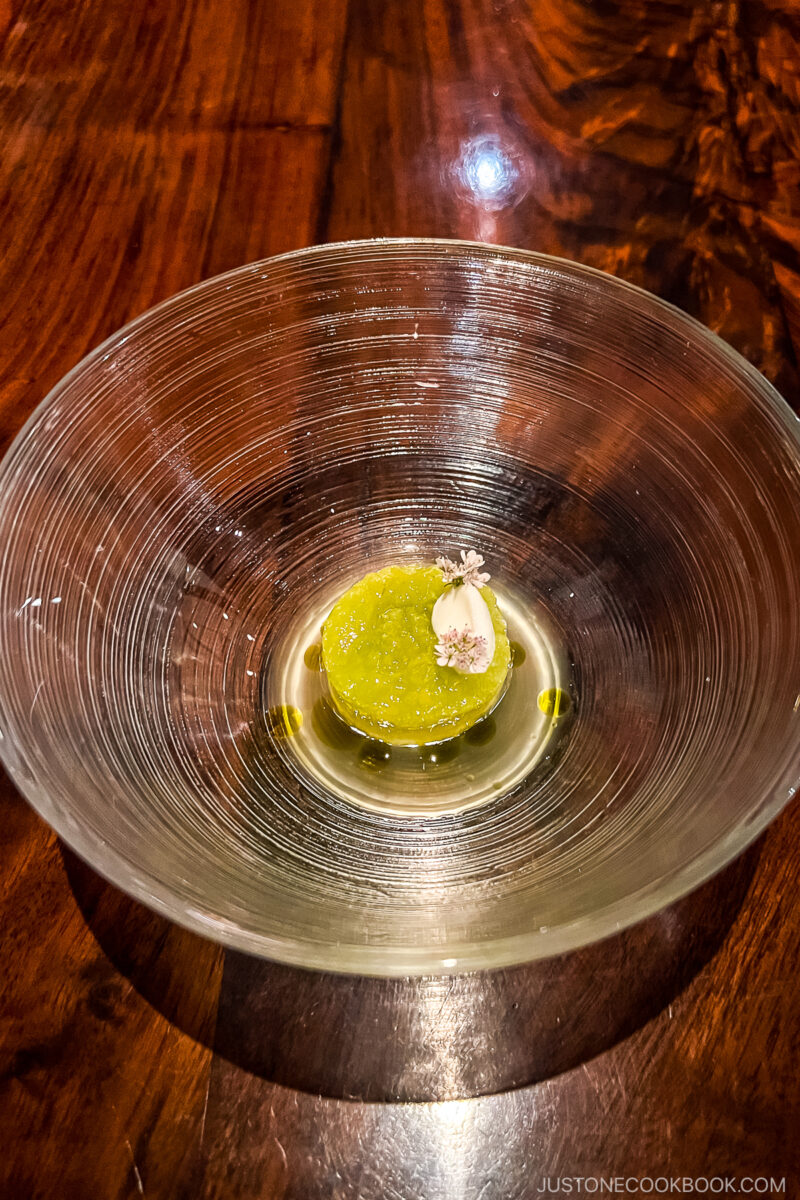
[(484, 763)]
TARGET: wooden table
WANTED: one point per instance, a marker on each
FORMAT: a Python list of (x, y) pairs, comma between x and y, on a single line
[(149, 144)]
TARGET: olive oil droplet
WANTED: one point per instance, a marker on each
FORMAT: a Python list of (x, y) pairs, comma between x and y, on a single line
[(283, 720), (313, 657), (331, 729), (554, 702), (518, 654), (374, 755), (441, 752), (482, 733)]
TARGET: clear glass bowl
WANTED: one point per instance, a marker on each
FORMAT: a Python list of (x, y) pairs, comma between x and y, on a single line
[(201, 484)]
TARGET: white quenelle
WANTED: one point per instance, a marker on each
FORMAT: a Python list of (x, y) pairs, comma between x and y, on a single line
[(461, 619)]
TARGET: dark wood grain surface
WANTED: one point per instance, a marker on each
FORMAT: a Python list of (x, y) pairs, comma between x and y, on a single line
[(149, 144)]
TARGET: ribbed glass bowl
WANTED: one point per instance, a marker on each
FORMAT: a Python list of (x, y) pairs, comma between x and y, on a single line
[(199, 485)]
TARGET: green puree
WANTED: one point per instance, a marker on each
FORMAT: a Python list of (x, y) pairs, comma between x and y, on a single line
[(378, 651)]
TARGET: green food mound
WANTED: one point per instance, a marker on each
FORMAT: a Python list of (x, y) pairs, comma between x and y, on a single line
[(378, 651)]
